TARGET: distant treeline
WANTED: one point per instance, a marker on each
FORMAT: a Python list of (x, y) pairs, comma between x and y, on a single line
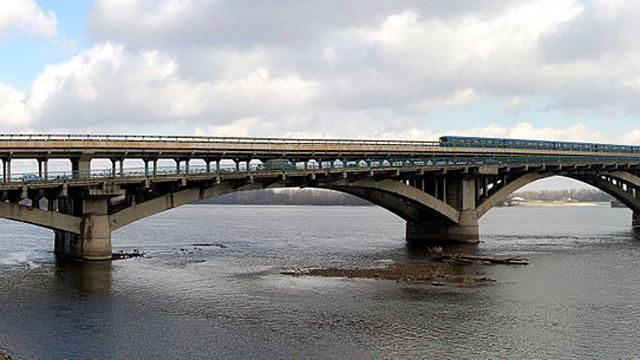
[(288, 197), (583, 195), (328, 197)]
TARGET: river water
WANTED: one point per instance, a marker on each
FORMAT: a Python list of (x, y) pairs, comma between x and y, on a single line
[(579, 297)]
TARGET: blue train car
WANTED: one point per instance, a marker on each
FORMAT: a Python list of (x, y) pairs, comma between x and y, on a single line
[(479, 142)]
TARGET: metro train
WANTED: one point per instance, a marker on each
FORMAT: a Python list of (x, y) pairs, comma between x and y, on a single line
[(479, 142)]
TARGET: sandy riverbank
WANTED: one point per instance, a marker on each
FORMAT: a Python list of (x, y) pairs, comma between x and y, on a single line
[(535, 203)]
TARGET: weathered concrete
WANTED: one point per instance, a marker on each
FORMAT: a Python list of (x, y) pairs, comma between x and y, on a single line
[(48, 219), (81, 166), (93, 242), (437, 231), (462, 193)]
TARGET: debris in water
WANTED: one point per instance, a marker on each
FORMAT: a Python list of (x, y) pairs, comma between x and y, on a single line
[(122, 256), (221, 246), (437, 274)]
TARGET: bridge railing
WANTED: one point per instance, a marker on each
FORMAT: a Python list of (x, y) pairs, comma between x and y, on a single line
[(208, 139), (29, 177)]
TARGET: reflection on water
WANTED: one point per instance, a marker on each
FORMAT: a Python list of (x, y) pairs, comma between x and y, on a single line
[(577, 299), (86, 278)]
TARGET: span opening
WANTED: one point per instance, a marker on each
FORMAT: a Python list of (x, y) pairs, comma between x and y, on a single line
[(565, 190)]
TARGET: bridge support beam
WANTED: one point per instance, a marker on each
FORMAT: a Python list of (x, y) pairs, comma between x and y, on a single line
[(462, 193), (94, 241)]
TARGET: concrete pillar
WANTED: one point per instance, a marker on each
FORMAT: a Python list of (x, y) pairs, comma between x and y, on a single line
[(45, 165), (436, 188), (208, 165), (146, 167), (52, 204), (81, 167), (178, 166), (94, 243), (186, 166), (444, 188), (155, 167), (7, 170), (113, 167), (434, 230), (121, 164), (218, 165)]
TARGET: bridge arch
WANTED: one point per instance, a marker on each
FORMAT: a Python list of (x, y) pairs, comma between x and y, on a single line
[(623, 186), (51, 220), (400, 199)]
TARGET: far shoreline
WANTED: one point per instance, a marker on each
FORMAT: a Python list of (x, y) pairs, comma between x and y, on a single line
[(532, 203), (541, 203)]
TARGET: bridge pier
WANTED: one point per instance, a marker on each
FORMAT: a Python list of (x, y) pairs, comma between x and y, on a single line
[(94, 240), (440, 231), (462, 194)]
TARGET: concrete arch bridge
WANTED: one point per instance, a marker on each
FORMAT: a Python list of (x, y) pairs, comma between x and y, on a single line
[(440, 192)]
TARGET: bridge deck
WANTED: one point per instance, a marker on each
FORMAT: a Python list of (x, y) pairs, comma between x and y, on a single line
[(105, 146)]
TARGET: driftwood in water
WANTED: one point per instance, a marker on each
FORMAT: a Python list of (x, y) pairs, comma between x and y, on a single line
[(438, 255)]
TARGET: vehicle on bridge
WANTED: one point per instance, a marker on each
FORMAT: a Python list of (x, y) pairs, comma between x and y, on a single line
[(30, 177), (278, 164), (480, 142)]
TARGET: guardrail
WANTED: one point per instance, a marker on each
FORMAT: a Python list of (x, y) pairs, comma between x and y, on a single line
[(207, 139), (337, 164)]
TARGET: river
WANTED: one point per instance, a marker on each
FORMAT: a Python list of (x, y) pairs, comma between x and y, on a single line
[(578, 298)]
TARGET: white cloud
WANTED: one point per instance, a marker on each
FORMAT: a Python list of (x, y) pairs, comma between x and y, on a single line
[(523, 130), (515, 106), (183, 23), (13, 110), (632, 137), (110, 87), (335, 68), (26, 16), (527, 130)]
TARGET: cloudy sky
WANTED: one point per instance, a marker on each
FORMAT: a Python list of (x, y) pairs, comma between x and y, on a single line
[(564, 69), (561, 69)]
